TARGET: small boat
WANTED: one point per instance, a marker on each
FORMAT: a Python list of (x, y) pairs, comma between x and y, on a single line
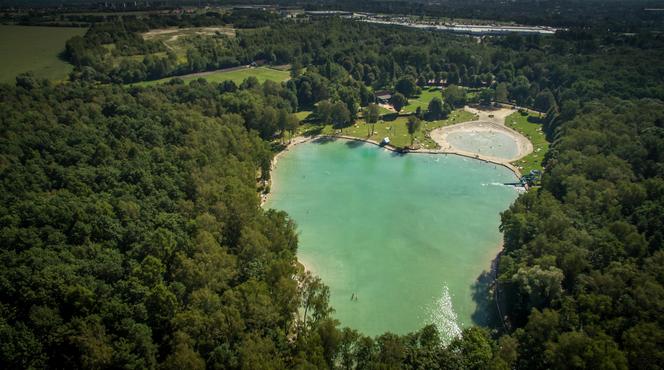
[(385, 141)]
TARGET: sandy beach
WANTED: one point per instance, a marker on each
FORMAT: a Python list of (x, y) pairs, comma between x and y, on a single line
[(440, 136)]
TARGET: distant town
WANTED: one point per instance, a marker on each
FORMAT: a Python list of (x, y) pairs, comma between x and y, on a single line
[(434, 24)]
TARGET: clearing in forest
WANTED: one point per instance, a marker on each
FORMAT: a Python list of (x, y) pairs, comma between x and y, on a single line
[(173, 38), (236, 75), (35, 49), (423, 99)]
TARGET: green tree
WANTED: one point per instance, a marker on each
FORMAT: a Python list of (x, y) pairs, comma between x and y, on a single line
[(486, 96), (576, 350), (455, 96), (323, 111), (414, 124), (340, 115), (371, 116), (437, 109), (501, 93), (398, 101), (642, 345), (406, 86), (544, 101), (183, 355), (288, 122), (296, 69), (314, 298), (474, 346), (520, 90), (538, 286)]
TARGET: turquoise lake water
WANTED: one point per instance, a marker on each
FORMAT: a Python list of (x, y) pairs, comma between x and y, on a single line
[(409, 235)]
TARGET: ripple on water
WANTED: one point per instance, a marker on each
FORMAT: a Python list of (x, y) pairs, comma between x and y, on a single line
[(444, 318)]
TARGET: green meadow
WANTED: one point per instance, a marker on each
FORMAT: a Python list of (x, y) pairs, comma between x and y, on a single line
[(34, 49), (529, 126), (261, 73), (422, 100)]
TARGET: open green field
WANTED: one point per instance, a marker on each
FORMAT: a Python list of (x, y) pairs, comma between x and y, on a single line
[(34, 49), (261, 73), (395, 129), (528, 125), (422, 100)]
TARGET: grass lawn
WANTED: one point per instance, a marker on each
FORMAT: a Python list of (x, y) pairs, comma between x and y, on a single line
[(383, 111), (395, 129), (302, 115), (528, 125), (237, 76), (422, 100), (34, 49)]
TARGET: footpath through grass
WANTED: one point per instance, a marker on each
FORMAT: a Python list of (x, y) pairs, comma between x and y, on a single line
[(529, 126), (35, 49), (395, 129), (238, 75)]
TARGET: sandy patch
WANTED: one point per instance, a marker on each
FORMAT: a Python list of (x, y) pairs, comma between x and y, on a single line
[(491, 119), (177, 32), (496, 115), (440, 136), (388, 107)]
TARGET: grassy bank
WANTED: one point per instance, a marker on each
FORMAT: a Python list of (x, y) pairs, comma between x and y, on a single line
[(395, 129), (529, 126), (422, 100)]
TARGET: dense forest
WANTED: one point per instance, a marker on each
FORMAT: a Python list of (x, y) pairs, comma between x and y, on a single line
[(132, 235)]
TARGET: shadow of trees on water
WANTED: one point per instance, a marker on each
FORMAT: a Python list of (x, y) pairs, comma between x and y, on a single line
[(324, 140), (486, 313), (352, 144)]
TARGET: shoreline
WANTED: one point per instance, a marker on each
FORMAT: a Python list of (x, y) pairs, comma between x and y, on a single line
[(304, 139), (523, 145)]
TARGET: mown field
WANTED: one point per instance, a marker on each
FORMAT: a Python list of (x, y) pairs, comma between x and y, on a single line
[(528, 125), (395, 129), (261, 73), (34, 49), (422, 100)]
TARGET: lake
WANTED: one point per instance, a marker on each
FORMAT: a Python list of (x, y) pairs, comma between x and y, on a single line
[(407, 236)]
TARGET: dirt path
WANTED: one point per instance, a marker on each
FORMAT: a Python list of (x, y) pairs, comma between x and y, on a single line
[(188, 31), (496, 115), (388, 107)]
